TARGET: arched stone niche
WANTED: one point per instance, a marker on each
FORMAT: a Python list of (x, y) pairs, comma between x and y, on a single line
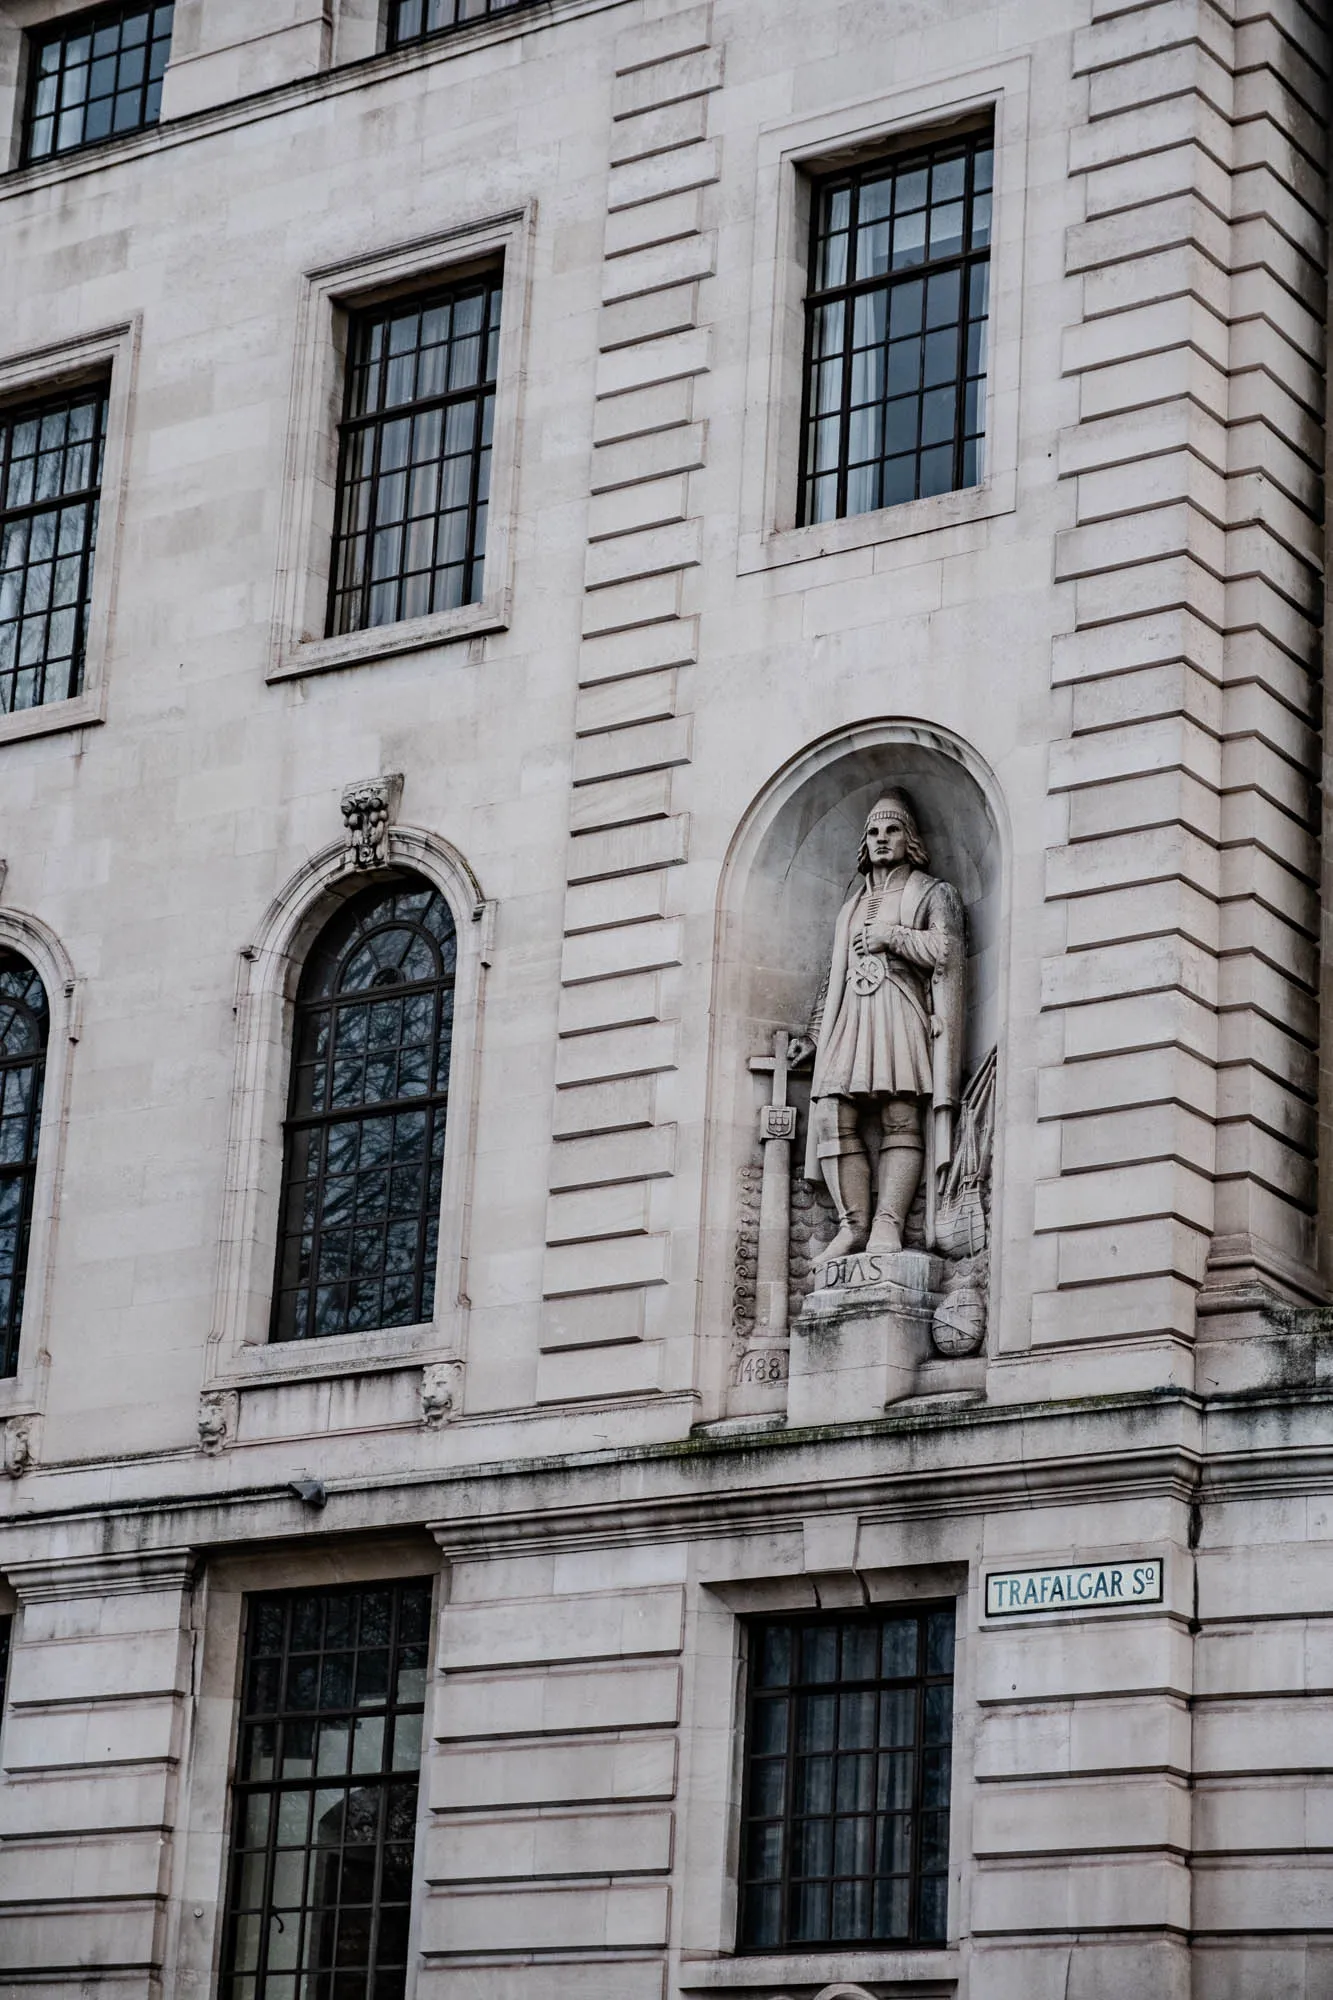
[(791, 867)]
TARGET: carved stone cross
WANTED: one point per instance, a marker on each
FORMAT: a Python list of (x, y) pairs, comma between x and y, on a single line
[(777, 1129)]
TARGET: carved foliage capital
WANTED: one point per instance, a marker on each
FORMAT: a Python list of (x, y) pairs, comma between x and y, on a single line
[(369, 807)]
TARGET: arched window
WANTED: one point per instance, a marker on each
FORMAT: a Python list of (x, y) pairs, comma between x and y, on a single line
[(24, 1025), (365, 1127)]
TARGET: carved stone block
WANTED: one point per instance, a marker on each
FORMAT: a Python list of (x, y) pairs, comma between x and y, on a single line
[(19, 1445), (441, 1392), (218, 1412), (862, 1335), (369, 808)]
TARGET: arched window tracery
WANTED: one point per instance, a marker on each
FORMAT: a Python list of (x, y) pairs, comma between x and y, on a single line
[(24, 1031), (364, 1141)]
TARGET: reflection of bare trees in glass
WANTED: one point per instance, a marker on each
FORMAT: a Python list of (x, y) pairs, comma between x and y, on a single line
[(326, 1794)]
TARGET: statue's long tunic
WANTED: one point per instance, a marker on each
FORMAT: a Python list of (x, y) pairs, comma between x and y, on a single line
[(879, 1043)]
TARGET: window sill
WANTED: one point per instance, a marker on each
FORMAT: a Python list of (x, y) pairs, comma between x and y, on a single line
[(382, 642), (887, 524), (336, 1354), (77, 712), (935, 1972)]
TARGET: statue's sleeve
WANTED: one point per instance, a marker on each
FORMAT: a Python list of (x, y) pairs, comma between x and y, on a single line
[(816, 1021), (928, 948), (948, 985)]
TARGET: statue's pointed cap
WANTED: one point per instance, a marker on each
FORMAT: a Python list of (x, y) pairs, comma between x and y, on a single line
[(893, 807)]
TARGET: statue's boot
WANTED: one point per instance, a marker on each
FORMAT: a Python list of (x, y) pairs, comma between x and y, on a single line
[(899, 1178), (847, 1177)]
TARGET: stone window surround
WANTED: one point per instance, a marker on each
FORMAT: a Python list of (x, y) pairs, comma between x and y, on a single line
[(21, 20), (112, 352), (712, 1963), (58, 31), (309, 491), (788, 153), (239, 1353), (204, 1816), (23, 1393)]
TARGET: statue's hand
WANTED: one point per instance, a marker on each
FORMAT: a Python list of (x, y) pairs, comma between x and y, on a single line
[(882, 937), (799, 1049)]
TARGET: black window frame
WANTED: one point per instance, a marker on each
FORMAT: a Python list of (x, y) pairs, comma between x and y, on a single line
[(352, 578), (266, 1705), (21, 1173), (924, 1931), (341, 939), (93, 394), (919, 150), (477, 10), (69, 30)]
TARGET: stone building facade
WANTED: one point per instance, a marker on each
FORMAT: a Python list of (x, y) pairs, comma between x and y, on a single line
[(634, 1456)]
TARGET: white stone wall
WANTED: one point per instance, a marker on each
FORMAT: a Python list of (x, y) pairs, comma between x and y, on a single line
[(1117, 638)]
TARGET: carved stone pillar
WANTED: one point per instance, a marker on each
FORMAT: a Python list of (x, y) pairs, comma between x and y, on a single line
[(760, 1381)]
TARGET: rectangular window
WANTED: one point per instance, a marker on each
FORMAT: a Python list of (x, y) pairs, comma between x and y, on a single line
[(50, 482), (415, 456), (325, 1801), (845, 1835), (417, 20), (6, 1629), (95, 77), (895, 379)]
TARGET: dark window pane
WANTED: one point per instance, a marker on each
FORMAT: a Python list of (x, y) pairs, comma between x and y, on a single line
[(24, 1024), (103, 70), (417, 20), (903, 243), (321, 1871), (359, 1201), (414, 459), (845, 1843), (50, 456)]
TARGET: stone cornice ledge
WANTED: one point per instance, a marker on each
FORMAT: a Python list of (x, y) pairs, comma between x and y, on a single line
[(702, 1488), (335, 81), (926, 1972), (121, 1575)]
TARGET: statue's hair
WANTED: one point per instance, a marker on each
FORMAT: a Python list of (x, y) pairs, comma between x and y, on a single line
[(899, 810)]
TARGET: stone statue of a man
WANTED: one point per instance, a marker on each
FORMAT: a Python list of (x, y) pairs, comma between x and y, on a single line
[(888, 1035)]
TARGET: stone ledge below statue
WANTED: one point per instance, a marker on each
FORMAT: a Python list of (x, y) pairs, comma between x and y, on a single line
[(862, 1339)]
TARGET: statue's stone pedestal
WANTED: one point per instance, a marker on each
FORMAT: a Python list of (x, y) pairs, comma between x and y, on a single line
[(862, 1336)]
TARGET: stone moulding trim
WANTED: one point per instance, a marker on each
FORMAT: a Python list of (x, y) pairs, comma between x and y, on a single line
[(777, 1509), (239, 1354), (25, 1392), (299, 644), (112, 352), (128, 1575), (933, 1975)]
